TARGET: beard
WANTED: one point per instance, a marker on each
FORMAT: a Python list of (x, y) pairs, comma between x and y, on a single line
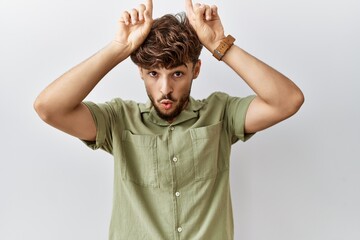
[(170, 115)]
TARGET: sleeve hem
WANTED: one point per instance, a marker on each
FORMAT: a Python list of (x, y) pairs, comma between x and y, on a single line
[(100, 126), (245, 136)]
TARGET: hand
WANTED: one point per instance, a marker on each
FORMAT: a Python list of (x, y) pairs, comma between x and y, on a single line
[(134, 26), (206, 22)]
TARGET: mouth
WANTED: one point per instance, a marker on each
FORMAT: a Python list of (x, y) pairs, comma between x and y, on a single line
[(166, 104)]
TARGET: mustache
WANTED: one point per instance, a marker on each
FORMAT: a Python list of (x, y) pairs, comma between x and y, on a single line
[(166, 97)]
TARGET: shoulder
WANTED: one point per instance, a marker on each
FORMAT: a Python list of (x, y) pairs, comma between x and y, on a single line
[(116, 107), (212, 106), (221, 99), (217, 96), (118, 103), (226, 106)]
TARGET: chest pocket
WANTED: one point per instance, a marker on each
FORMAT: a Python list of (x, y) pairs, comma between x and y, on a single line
[(140, 156), (206, 142)]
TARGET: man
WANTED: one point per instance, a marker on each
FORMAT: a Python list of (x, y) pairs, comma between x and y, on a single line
[(171, 155)]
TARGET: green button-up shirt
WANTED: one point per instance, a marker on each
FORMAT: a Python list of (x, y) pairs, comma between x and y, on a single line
[(171, 180)]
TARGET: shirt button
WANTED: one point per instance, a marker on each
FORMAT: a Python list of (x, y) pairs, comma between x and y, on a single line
[(177, 194), (172, 128), (179, 229), (175, 159)]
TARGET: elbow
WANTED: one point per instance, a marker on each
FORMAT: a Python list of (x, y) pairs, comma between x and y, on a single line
[(295, 102), (39, 107), (42, 108), (299, 100)]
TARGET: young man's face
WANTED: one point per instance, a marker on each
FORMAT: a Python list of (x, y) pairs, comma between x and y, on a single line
[(169, 89)]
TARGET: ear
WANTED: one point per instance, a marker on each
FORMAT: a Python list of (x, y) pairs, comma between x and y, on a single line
[(197, 69)]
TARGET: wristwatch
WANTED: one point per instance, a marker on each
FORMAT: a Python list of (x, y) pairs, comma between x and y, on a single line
[(225, 44)]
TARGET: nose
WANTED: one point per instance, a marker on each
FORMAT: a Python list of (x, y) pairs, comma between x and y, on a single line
[(166, 87)]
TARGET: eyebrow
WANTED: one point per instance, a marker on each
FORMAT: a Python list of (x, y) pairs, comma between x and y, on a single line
[(183, 64), (173, 68)]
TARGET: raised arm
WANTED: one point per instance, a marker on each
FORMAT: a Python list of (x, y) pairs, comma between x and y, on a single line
[(277, 97), (60, 104)]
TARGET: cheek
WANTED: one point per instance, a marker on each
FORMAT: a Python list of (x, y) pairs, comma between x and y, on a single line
[(150, 85), (185, 87), (148, 88), (151, 90)]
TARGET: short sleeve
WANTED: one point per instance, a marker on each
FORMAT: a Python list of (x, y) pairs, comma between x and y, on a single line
[(104, 116), (236, 110)]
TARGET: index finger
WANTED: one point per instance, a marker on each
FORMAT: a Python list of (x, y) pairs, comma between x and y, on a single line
[(189, 7), (149, 6)]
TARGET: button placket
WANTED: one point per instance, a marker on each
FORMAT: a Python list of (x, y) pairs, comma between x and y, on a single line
[(177, 194)]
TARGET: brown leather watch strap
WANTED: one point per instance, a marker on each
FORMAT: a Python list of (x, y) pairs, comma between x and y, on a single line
[(223, 47)]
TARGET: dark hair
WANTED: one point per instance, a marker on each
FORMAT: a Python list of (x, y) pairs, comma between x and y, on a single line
[(172, 42)]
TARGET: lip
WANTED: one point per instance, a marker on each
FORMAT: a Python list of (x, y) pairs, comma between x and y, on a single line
[(166, 101), (167, 104)]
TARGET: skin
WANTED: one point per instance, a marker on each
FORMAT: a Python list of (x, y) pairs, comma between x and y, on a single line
[(60, 104), (169, 89)]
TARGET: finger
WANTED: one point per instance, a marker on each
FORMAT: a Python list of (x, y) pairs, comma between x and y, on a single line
[(141, 10), (149, 7), (214, 10), (196, 6), (199, 11), (125, 18), (208, 15), (189, 7), (147, 16), (134, 16)]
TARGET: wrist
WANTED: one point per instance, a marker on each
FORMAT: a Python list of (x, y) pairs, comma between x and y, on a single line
[(211, 46), (222, 47), (119, 49), (119, 46)]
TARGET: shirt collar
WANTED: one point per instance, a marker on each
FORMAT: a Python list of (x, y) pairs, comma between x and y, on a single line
[(191, 111)]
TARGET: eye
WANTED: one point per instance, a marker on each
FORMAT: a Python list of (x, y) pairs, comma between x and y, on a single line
[(178, 74), (152, 74)]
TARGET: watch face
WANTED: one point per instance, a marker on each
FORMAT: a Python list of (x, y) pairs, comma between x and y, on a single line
[(218, 54), (224, 45)]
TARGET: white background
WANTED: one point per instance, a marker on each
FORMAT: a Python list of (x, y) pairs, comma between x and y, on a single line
[(298, 180)]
